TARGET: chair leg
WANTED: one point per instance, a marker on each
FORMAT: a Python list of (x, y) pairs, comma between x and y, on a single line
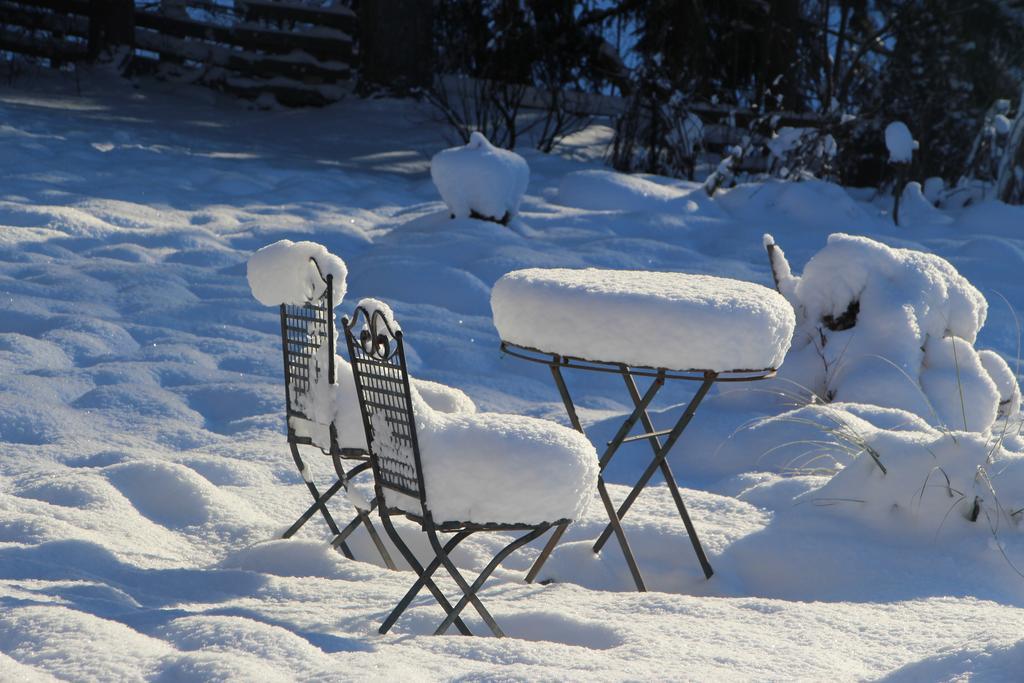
[(361, 516), (410, 558), (319, 503), (422, 580), (556, 536), (470, 592), (313, 491), (375, 537)]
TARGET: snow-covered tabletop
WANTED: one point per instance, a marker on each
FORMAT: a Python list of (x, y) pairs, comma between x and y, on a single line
[(675, 321)]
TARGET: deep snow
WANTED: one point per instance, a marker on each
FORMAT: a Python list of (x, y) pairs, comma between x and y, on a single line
[(145, 475)]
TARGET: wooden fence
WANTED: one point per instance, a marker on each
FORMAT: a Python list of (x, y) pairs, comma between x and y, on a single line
[(299, 53)]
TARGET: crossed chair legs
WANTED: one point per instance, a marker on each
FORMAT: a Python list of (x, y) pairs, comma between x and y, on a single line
[(441, 551), (469, 591), (320, 503)]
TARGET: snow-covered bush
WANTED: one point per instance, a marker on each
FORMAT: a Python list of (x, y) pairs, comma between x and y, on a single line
[(480, 180), (917, 209), (888, 468), (890, 327), (657, 133), (800, 152), (900, 143)]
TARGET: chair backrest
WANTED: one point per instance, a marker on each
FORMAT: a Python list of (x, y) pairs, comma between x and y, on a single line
[(377, 353), (307, 341)]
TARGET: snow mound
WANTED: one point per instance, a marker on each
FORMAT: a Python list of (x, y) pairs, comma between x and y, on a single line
[(667, 320), (167, 493), (443, 398), (813, 204), (892, 327), (288, 557), (492, 467), (1006, 382), (900, 143), (916, 209), (930, 482), (480, 179), (601, 190), (813, 439), (283, 273)]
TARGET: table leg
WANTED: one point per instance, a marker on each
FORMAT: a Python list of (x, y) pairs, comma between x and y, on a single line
[(660, 462), (602, 490)]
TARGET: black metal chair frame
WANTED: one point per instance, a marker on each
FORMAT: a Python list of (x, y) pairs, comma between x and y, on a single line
[(377, 353), (659, 448), (304, 330)]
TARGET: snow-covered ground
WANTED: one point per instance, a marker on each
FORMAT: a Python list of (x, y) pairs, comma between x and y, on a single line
[(144, 473)]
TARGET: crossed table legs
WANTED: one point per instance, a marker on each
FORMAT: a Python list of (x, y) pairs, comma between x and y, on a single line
[(659, 462), (659, 448)]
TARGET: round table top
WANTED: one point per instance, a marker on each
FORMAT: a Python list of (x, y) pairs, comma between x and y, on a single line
[(653, 319)]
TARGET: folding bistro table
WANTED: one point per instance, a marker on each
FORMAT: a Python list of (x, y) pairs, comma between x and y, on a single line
[(640, 324)]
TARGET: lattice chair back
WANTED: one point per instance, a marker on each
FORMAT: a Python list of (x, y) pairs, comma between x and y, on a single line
[(377, 353), (307, 340)]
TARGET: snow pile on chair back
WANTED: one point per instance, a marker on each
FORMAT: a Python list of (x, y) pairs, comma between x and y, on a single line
[(892, 327), (480, 178), (662, 320), (344, 402), (496, 468), (282, 273)]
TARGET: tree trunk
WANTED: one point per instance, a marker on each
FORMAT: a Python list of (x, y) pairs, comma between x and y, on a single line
[(396, 46)]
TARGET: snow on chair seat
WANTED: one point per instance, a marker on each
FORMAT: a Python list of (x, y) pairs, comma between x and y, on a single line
[(494, 468), (675, 321), (459, 474)]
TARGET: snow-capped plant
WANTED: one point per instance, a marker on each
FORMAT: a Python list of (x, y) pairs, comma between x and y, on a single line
[(480, 180), (801, 152), (925, 479), (891, 327), (901, 145)]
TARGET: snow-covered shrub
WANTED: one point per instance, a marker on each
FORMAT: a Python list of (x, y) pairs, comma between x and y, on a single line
[(657, 133), (801, 152), (890, 327), (916, 209), (480, 180), (900, 143), (933, 189), (923, 478), (1006, 382), (887, 467)]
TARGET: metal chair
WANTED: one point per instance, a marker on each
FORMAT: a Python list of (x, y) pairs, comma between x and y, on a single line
[(308, 344), (377, 353)]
